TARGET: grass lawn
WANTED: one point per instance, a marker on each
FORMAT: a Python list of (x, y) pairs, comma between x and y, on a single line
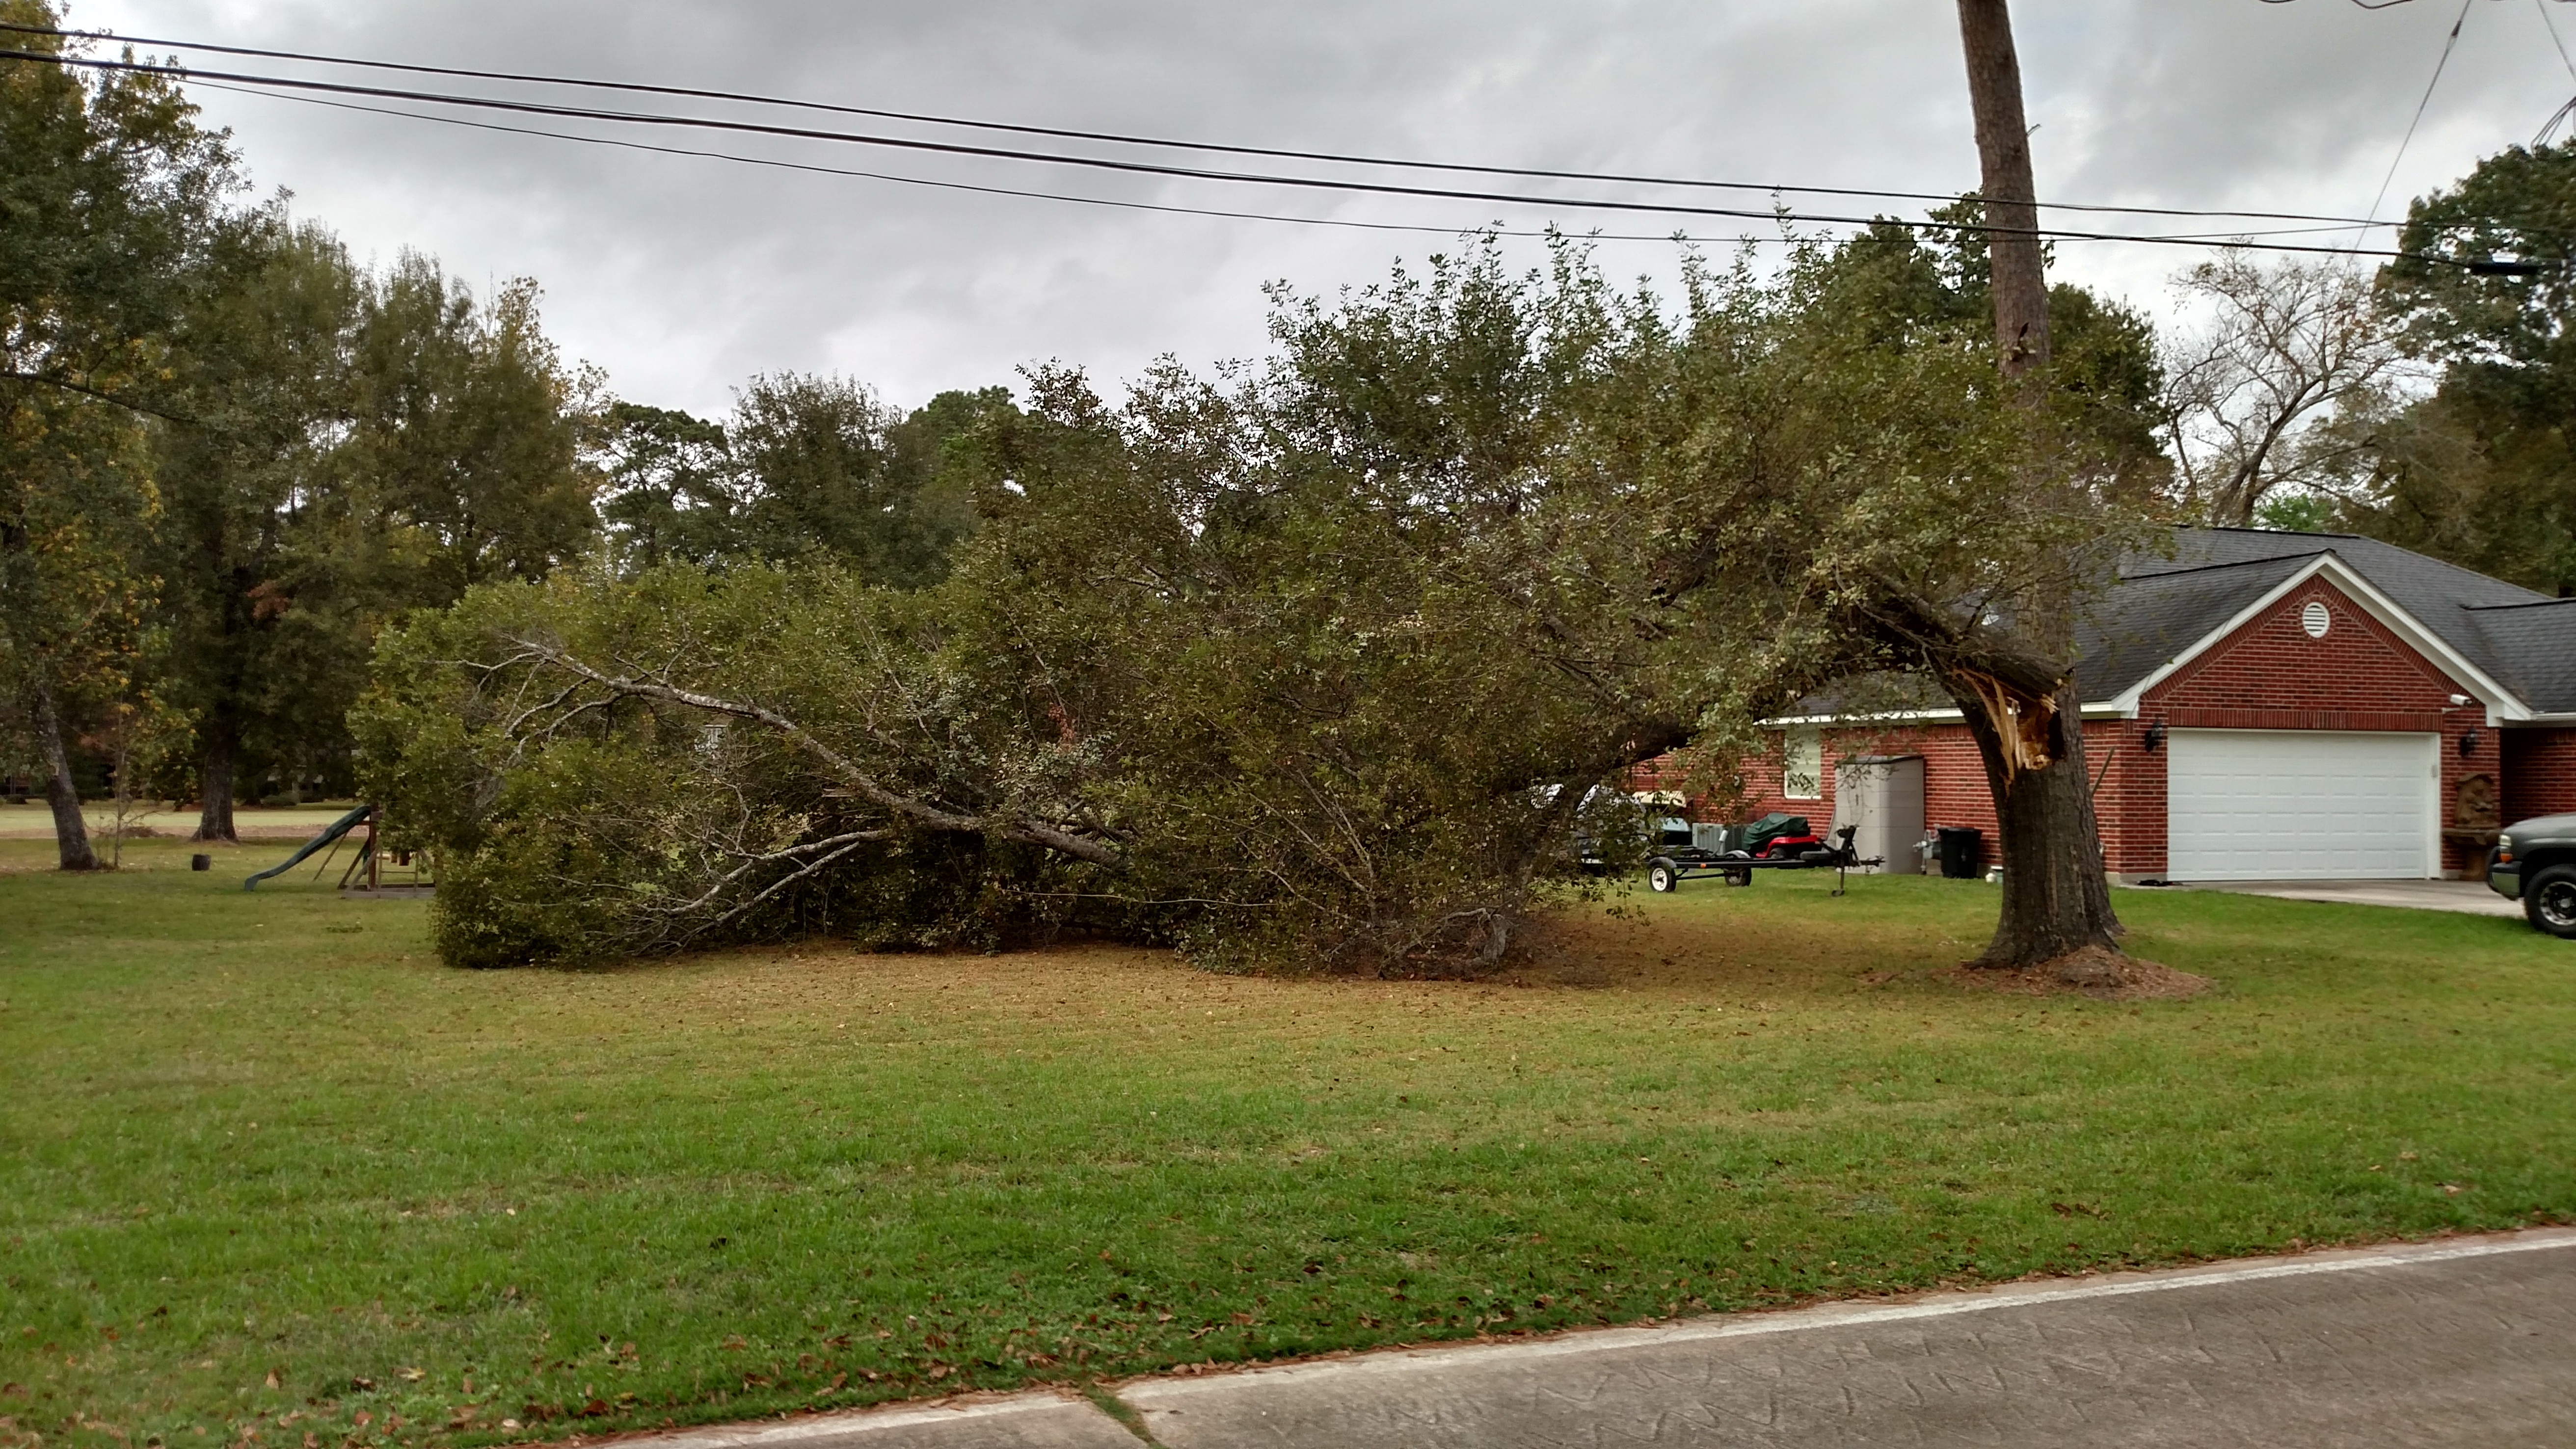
[(34, 820), (268, 1170)]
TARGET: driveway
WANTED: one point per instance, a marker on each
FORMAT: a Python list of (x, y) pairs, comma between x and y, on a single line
[(2469, 897), (2470, 1341)]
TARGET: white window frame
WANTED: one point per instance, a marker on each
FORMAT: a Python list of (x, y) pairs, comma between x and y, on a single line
[(1802, 745)]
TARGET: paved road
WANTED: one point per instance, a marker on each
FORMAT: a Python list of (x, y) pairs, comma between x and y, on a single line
[(2470, 1342)]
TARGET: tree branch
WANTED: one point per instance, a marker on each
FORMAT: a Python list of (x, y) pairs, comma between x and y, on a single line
[(859, 781)]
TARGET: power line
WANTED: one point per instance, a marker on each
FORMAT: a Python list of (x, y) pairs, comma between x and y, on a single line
[(1116, 138), (2541, 137), (1336, 185), (1126, 205), (2552, 27), (821, 170), (2409, 138)]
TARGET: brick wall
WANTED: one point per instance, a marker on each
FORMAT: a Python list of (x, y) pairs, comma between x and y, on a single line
[(2539, 772), (2270, 675), (2130, 805)]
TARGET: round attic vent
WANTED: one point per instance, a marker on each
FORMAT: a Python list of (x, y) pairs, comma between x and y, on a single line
[(2315, 619)]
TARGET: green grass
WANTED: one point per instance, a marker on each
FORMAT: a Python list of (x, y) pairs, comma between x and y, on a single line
[(266, 1166), (35, 821)]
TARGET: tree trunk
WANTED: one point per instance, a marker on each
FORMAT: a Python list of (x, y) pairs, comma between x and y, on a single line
[(2003, 151), (2056, 898), (215, 778), (71, 832)]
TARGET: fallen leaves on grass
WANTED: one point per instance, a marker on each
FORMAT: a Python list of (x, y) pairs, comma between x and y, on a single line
[(2092, 971)]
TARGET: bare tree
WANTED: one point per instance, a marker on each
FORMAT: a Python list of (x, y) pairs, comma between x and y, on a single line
[(2287, 347)]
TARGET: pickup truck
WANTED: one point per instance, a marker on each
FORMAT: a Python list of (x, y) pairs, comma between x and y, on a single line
[(2535, 862)]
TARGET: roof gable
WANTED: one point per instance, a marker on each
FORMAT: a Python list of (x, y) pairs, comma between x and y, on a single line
[(2514, 649), (2278, 661), (2167, 608)]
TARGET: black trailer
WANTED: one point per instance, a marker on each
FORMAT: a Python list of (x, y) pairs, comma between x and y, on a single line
[(1673, 864)]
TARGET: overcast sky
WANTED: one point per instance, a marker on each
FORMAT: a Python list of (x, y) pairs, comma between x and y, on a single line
[(682, 276)]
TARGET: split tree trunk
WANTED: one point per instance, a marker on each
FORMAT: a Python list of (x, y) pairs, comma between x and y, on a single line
[(215, 773), (2055, 897), (71, 832)]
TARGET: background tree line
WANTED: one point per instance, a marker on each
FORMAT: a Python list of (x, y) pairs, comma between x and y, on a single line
[(2427, 403), (232, 453), (1322, 657)]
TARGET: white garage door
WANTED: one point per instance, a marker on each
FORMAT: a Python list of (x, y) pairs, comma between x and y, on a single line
[(2301, 805)]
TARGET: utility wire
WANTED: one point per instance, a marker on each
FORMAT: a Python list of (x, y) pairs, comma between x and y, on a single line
[(820, 170), (2552, 27), (2541, 137), (815, 169), (1780, 215), (1061, 133), (2370, 216)]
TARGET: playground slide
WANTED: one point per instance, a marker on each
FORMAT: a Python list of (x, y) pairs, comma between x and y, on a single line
[(331, 832)]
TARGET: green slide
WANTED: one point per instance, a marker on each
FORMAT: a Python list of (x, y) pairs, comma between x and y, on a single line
[(332, 832)]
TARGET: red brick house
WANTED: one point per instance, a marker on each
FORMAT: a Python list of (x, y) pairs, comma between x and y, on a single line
[(2264, 705)]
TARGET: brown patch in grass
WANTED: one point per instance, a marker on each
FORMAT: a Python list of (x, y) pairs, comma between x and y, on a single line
[(2093, 971)]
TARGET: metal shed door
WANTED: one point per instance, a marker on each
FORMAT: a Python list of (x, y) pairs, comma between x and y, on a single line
[(2301, 805)]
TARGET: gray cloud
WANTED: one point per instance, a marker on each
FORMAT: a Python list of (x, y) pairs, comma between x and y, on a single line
[(683, 276)]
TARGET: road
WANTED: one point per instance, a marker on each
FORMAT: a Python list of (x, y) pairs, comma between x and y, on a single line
[(2463, 1342)]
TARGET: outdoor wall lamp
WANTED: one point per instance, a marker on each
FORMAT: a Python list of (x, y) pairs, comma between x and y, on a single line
[(2469, 742), (2155, 736)]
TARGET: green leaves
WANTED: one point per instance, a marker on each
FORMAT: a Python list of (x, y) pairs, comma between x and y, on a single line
[(1309, 666)]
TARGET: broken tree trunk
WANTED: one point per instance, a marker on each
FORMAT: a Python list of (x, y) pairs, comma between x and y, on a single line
[(2055, 896)]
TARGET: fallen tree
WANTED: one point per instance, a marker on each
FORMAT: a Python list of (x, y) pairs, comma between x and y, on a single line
[(1310, 666)]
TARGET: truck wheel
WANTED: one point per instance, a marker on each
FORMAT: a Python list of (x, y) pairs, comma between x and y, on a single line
[(2549, 901), (1661, 877)]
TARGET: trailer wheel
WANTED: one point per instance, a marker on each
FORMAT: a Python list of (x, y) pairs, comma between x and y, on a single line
[(1738, 877), (1661, 877)]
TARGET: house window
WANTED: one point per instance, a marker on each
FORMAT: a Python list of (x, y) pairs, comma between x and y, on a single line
[(1802, 764)]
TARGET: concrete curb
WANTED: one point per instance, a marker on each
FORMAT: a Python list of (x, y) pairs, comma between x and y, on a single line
[(1938, 1304), (1671, 1383), (1037, 1420)]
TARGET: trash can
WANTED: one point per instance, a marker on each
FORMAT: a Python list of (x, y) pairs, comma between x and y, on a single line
[(1959, 846)]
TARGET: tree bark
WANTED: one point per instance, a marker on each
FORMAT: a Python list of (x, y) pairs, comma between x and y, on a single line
[(71, 832), (2056, 898), (2019, 283), (215, 772)]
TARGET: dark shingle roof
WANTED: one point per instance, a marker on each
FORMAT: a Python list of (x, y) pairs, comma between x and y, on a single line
[(2537, 643), (2165, 602), (2146, 619)]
